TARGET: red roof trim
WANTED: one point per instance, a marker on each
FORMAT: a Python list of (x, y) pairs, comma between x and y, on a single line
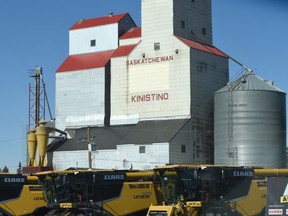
[(202, 47), (86, 23), (134, 32), (85, 61), (124, 50)]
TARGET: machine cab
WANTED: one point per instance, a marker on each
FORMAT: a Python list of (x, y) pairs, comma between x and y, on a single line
[(206, 183)]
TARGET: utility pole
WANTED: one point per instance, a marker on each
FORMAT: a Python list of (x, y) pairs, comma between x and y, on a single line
[(89, 148)]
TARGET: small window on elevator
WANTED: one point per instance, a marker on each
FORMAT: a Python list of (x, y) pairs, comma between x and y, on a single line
[(142, 149), (203, 31), (156, 46), (183, 148), (192, 1), (182, 24), (93, 43)]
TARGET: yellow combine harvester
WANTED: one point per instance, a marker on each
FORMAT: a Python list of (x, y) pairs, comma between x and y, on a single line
[(21, 195), (172, 190), (99, 192), (209, 190)]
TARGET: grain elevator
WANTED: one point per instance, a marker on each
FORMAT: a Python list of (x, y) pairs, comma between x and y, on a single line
[(137, 97)]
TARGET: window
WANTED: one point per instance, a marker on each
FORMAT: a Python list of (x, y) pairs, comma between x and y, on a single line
[(156, 46), (182, 24), (204, 31), (142, 149), (201, 67), (93, 43), (183, 148), (193, 1)]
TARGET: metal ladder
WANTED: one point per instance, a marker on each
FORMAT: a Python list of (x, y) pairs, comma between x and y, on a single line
[(232, 149)]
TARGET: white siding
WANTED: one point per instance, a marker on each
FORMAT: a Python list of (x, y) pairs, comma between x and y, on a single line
[(65, 159), (119, 97), (106, 39), (130, 41), (128, 156), (80, 98), (157, 20), (169, 78)]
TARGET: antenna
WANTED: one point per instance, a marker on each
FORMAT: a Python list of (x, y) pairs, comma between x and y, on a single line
[(37, 99), (46, 96)]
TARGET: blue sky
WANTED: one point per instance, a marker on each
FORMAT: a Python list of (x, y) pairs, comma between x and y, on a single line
[(35, 33)]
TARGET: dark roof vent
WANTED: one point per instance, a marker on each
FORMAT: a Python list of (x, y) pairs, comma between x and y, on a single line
[(131, 29), (243, 80), (271, 82), (81, 21)]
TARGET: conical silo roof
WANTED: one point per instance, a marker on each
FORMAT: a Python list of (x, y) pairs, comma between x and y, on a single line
[(250, 82)]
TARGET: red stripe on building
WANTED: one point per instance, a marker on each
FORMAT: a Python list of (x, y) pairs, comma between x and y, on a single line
[(86, 23), (123, 50), (85, 61), (202, 47)]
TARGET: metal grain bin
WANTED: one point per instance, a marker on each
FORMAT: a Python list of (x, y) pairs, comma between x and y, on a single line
[(250, 123)]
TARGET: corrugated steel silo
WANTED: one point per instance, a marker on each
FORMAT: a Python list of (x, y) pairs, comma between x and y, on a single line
[(250, 123)]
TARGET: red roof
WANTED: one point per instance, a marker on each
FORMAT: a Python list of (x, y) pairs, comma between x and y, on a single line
[(86, 23), (202, 47), (132, 33), (85, 61), (123, 50)]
